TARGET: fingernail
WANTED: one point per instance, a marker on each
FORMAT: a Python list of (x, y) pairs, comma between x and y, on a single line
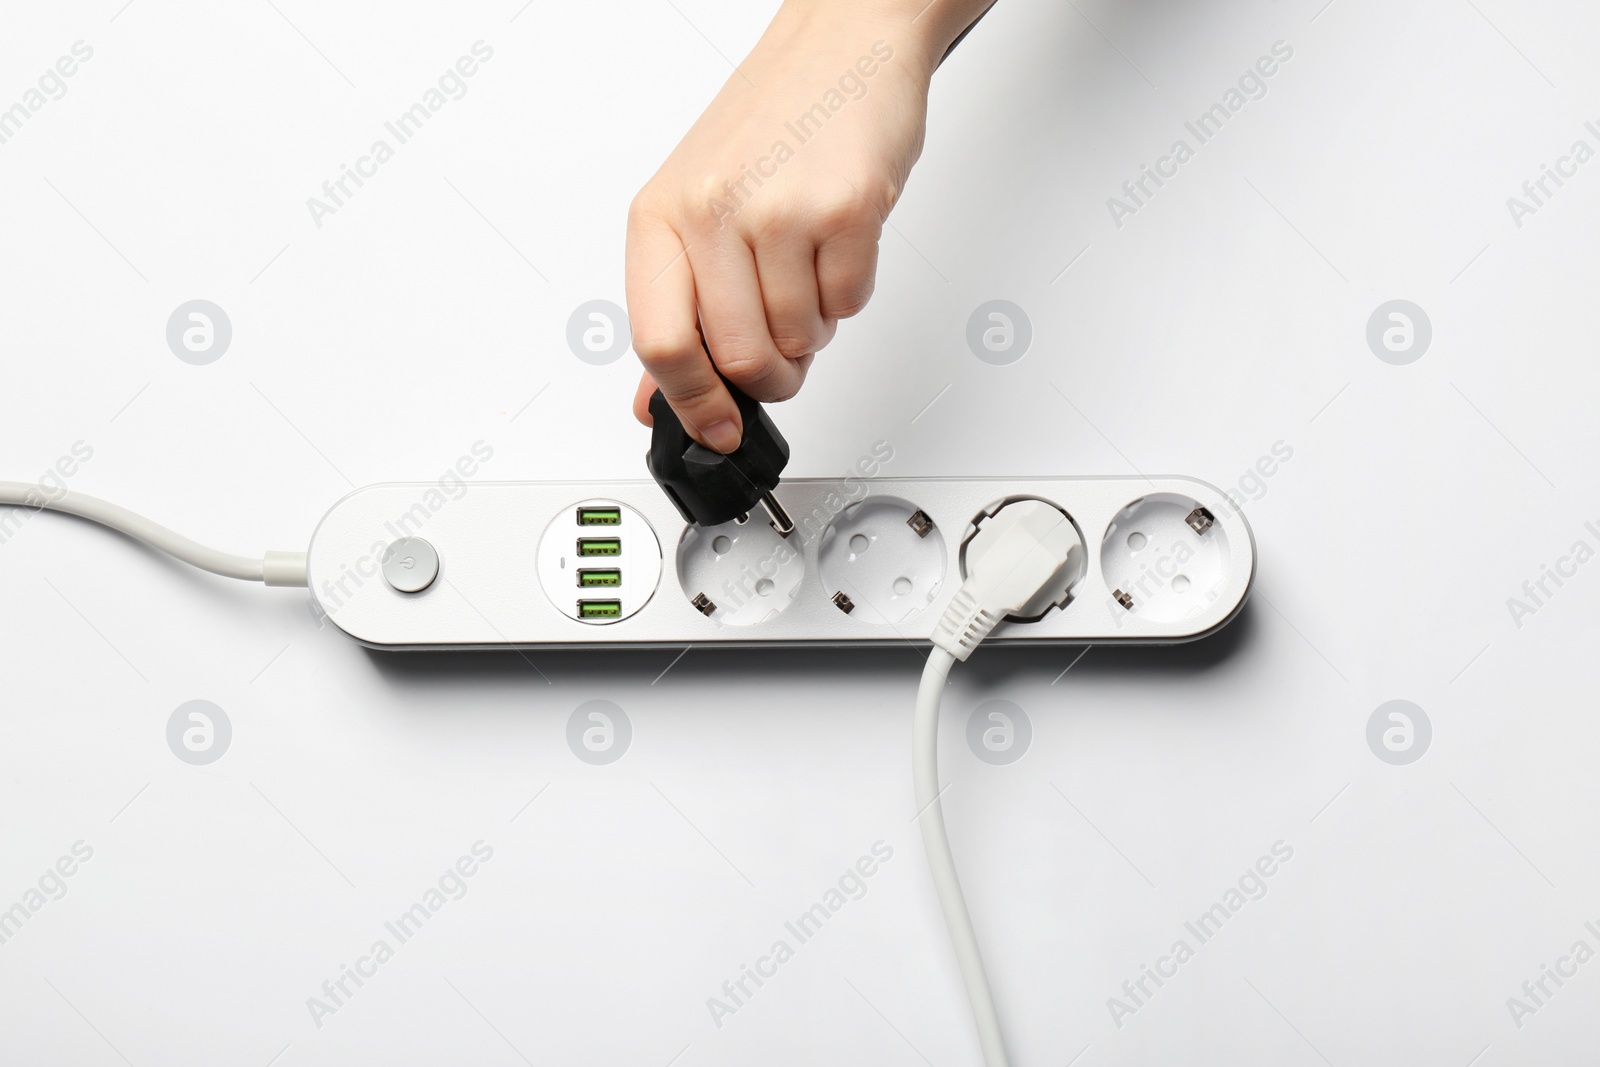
[(723, 436)]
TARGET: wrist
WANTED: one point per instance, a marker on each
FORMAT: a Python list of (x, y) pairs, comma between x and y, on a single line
[(919, 31)]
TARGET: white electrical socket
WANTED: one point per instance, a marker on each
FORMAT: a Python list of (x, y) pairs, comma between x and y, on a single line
[(755, 572), (1162, 560), (887, 561)]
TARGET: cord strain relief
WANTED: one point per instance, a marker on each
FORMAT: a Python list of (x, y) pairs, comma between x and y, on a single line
[(964, 625), (284, 569)]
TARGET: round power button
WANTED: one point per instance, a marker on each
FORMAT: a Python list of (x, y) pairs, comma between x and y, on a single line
[(410, 565)]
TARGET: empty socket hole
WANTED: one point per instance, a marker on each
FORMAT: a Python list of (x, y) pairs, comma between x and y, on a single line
[(748, 570), (1152, 554), (872, 555)]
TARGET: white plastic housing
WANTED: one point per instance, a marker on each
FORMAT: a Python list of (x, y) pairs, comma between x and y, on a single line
[(490, 593)]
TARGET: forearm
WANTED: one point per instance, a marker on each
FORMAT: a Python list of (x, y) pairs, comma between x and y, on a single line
[(922, 29)]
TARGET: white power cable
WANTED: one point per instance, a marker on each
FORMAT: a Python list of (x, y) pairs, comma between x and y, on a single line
[(925, 772), (274, 568), (1022, 551)]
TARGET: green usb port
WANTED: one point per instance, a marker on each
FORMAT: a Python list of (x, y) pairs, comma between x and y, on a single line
[(599, 516), (599, 546), (588, 577), (599, 609)]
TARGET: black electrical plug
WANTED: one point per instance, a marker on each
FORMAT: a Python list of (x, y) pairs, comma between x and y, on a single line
[(709, 487)]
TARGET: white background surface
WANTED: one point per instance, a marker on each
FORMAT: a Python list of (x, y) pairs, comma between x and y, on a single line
[(1228, 315)]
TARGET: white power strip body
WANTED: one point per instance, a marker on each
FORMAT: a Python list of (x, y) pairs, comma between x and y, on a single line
[(1164, 560)]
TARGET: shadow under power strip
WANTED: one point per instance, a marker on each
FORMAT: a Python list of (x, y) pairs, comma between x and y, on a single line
[(570, 564)]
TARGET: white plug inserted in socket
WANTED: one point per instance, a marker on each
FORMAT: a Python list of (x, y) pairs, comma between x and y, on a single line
[(1059, 592)]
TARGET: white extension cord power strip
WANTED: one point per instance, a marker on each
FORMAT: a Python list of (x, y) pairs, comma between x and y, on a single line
[(945, 562), (582, 564)]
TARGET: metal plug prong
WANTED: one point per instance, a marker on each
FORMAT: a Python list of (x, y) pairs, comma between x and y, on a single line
[(780, 518)]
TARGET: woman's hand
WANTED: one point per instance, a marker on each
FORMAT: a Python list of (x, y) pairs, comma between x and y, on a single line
[(760, 231)]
